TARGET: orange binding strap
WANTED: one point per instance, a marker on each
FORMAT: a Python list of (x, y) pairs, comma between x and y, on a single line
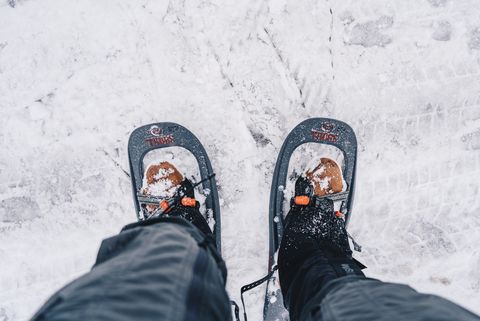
[(339, 214), (302, 200), (190, 202), (164, 205)]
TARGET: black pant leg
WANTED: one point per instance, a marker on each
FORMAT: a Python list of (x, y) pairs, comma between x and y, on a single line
[(309, 282), (318, 294), (163, 271)]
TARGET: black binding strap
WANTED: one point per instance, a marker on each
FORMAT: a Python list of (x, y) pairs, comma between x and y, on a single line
[(173, 201), (236, 310), (252, 285)]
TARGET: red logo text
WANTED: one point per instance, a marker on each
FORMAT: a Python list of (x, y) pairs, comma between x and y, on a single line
[(160, 140), (327, 137)]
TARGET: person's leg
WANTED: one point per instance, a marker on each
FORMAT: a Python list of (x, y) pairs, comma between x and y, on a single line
[(327, 289), (320, 280), (359, 299), (162, 269), (313, 252)]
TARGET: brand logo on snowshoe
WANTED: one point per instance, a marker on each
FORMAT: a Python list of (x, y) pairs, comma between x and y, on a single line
[(158, 138), (161, 140), (327, 137), (327, 127), (155, 130)]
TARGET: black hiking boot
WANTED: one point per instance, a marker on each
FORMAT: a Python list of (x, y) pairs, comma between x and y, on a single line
[(314, 237)]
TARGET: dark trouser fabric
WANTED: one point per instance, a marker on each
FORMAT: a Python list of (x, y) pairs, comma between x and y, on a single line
[(165, 269), (318, 294), (162, 270)]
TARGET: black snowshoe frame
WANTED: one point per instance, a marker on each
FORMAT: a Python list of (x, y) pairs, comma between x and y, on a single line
[(163, 135), (313, 130)]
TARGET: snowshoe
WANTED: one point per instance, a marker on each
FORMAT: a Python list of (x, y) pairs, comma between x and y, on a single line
[(159, 188), (315, 189)]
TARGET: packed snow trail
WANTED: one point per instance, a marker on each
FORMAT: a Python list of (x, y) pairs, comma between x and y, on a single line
[(77, 77)]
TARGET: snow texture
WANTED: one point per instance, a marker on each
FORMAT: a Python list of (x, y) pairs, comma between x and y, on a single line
[(162, 187), (76, 77)]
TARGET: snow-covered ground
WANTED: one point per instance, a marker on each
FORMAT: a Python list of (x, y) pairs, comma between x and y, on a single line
[(76, 77)]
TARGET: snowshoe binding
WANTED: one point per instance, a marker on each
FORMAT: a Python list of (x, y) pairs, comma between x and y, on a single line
[(167, 192)]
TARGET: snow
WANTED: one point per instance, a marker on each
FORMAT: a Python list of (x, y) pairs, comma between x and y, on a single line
[(162, 187), (76, 77)]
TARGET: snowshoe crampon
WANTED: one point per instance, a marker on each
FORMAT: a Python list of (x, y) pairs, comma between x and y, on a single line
[(307, 138), (172, 141)]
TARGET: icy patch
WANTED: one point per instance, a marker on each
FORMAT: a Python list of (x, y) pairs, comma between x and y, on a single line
[(259, 138), (437, 3), (346, 18), (474, 42), (92, 184), (471, 135), (3, 315), (472, 140), (369, 34), (17, 209), (442, 30), (277, 6)]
